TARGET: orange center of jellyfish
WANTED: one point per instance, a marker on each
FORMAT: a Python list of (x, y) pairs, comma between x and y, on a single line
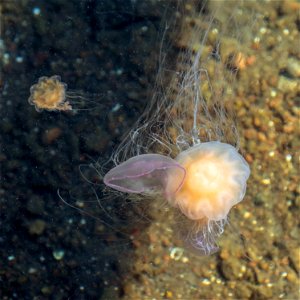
[(50, 94), (203, 178)]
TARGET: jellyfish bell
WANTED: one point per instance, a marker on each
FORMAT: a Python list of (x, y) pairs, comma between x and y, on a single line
[(49, 93), (146, 174), (216, 176), (216, 179)]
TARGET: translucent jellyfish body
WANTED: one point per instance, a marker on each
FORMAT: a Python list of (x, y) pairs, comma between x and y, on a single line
[(49, 94), (146, 174)]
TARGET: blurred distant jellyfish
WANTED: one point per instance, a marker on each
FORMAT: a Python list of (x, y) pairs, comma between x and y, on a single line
[(49, 94)]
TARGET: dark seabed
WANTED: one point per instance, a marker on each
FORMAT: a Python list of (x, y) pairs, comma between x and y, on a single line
[(62, 234)]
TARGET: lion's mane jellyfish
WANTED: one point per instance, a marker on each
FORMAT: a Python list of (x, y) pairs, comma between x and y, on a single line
[(49, 93), (216, 176)]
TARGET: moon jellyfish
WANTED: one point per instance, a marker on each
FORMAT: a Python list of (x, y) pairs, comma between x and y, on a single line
[(146, 174)]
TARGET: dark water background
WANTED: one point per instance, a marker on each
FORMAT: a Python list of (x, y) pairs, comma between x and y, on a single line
[(48, 250)]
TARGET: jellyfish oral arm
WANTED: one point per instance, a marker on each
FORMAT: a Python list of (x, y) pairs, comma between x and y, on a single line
[(146, 174)]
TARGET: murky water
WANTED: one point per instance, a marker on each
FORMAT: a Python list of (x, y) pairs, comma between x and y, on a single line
[(63, 235)]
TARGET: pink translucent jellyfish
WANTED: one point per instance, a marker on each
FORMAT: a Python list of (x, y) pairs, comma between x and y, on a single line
[(204, 182), (146, 174)]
